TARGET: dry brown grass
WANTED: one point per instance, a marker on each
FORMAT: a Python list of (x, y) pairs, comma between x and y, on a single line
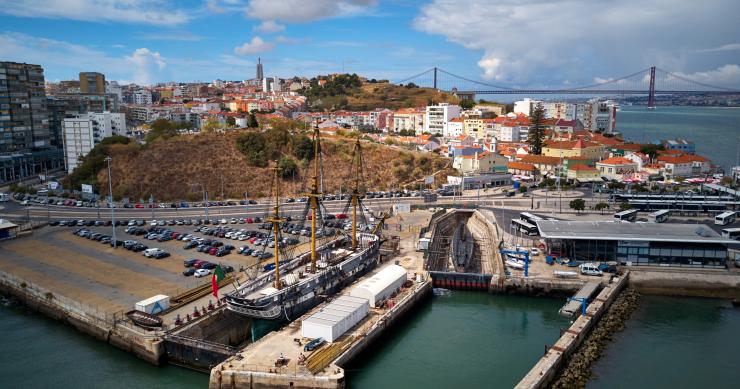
[(172, 169)]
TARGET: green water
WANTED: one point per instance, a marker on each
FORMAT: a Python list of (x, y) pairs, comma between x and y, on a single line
[(466, 340), (36, 352), (675, 343), (714, 130)]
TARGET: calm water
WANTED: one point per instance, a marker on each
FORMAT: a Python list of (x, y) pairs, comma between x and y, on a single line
[(467, 340), (37, 352), (675, 343), (714, 130)]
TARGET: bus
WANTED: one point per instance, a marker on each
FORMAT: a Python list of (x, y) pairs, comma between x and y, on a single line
[(628, 215), (732, 233), (529, 218), (524, 227), (659, 216), (725, 218)]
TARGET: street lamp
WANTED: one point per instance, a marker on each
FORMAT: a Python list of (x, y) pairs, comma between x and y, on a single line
[(110, 201)]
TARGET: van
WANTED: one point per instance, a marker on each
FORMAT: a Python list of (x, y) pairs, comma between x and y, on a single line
[(590, 269), (149, 253)]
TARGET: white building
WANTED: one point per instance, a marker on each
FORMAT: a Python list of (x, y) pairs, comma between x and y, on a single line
[(560, 110), (82, 133), (143, 97), (437, 117), (112, 88), (598, 115), (454, 128), (525, 106)]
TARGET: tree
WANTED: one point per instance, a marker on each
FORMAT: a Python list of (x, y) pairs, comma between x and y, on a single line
[(651, 150), (537, 130), (578, 205), (161, 128), (287, 167), (601, 207), (625, 206), (303, 147), (467, 104), (231, 121), (252, 145), (252, 121), (211, 125)]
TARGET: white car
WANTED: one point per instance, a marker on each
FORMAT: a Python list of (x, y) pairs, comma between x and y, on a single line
[(149, 253), (591, 269), (153, 223), (223, 221), (202, 273), (534, 251)]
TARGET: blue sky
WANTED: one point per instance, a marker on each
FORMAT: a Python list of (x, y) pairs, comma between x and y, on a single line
[(507, 42)]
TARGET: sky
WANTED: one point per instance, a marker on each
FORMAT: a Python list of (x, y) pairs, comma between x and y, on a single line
[(516, 43)]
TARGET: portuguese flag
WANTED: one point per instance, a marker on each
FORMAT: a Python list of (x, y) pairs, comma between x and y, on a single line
[(218, 275)]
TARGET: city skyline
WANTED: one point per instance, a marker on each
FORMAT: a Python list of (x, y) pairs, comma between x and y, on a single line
[(146, 42)]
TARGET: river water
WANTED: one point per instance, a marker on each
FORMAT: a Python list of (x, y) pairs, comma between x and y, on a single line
[(714, 130), (674, 342)]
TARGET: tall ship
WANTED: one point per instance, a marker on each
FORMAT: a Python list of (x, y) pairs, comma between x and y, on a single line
[(293, 285)]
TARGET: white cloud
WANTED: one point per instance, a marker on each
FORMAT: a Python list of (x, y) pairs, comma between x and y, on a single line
[(727, 47), (298, 11), (270, 27), (128, 11), (147, 65), (171, 36), (721, 76), (256, 45), (540, 42)]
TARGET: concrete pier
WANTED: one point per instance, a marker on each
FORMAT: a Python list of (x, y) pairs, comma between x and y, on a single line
[(547, 367), (254, 366)]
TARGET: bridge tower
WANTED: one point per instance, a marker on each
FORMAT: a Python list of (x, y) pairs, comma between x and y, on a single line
[(651, 93), (435, 77)]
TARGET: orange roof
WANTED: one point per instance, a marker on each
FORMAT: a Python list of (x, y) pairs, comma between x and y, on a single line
[(617, 161), (521, 166), (685, 158), (570, 145), (582, 168), (540, 159)]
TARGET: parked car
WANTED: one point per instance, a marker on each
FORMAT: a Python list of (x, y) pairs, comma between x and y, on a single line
[(590, 269), (188, 272), (201, 273)]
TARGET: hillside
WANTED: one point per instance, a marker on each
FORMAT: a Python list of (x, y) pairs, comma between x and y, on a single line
[(347, 92), (173, 168)]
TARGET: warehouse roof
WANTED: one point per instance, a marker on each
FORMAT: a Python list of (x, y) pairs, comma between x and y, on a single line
[(651, 232)]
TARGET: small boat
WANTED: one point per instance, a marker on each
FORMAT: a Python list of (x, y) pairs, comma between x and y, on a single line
[(144, 319), (564, 274), (514, 264), (516, 257), (441, 292)]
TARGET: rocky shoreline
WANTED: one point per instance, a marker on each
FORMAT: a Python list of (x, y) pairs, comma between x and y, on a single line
[(577, 372)]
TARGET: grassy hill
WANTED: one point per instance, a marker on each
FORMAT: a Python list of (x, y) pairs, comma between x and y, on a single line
[(174, 168), (348, 92)]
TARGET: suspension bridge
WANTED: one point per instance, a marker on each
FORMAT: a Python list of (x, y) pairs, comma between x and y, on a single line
[(651, 82)]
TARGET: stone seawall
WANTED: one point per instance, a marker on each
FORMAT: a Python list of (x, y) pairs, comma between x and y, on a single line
[(546, 369), (107, 328), (688, 282)]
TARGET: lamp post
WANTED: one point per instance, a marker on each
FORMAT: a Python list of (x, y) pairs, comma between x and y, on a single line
[(112, 206)]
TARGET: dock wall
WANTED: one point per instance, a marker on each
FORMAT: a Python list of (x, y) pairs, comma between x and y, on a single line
[(548, 366), (686, 282), (147, 345)]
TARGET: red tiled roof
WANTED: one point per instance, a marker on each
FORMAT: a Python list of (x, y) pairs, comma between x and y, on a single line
[(540, 159), (521, 166), (617, 161), (582, 168)]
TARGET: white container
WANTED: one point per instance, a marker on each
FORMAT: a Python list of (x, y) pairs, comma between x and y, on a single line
[(423, 244), (154, 305), (381, 285), (335, 319)]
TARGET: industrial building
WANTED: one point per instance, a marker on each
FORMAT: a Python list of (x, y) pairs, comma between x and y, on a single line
[(636, 244), (332, 321), (380, 286)]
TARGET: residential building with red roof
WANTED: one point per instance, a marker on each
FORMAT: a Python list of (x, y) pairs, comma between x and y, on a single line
[(615, 168)]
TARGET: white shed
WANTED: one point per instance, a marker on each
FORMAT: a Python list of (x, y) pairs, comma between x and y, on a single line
[(381, 285), (154, 304), (335, 319)]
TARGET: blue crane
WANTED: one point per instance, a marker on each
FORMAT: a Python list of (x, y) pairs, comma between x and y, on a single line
[(523, 253)]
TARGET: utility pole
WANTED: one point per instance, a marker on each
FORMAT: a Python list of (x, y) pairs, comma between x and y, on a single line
[(112, 206)]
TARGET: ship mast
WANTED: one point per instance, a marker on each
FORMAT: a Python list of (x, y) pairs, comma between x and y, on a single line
[(276, 220), (355, 196), (315, 196)]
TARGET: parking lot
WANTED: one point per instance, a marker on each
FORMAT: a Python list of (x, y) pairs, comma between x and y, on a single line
[(115, 279)]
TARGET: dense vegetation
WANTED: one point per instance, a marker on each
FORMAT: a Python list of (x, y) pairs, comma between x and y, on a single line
[(349, 92), (92, 163)]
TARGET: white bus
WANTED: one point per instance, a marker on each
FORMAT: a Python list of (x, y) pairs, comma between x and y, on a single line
[(529, 218), (628, 215), (725, 218), (659, 216), (524, 227), (4, 197), (732, 233)]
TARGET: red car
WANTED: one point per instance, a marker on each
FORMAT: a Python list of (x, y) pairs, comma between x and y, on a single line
[(249, 220), (139, 206), (199, 263), (212, 250), (175, 235), (341, 216)]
